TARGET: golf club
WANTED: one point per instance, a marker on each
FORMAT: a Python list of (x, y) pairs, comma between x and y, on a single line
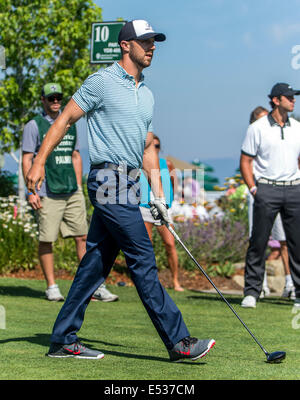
[(276, 356)]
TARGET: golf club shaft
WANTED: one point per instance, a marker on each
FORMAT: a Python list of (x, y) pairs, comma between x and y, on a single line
[(211, 282)]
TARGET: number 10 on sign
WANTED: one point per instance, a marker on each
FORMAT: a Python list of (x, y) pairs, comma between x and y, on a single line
[(102, 33), (104, 42)]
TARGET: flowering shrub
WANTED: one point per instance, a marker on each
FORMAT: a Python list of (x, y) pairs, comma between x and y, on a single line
[(235, 209), (234, 202), (18, 235), (215, 244)]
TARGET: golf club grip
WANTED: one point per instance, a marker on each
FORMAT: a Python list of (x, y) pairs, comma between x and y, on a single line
[(211, 282)]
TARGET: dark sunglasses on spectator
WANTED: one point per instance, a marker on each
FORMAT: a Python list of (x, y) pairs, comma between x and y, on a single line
[(157, 146), (57, 97)]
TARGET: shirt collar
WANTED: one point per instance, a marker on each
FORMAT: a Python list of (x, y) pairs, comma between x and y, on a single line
[(123, 74), (273, 122)]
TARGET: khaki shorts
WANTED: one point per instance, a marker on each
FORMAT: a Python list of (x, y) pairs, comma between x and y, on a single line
[(147, 216), (65, 214)]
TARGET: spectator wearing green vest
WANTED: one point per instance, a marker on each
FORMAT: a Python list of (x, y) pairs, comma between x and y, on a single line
[(169, 186), (60, 203)]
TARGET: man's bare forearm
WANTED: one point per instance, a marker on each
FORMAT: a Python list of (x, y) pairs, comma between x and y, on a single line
[(26, 163), (53, 137), (151, 168), (246, 168), (69, 116)]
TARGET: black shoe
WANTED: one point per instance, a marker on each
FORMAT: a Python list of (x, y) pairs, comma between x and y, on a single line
[(76, 350), (191, 348)]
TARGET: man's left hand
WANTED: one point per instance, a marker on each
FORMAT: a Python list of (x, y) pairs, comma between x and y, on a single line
[(159, 209)]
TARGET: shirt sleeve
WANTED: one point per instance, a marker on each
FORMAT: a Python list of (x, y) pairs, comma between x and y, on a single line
[(30, 139), (90, 95), (251, 143)]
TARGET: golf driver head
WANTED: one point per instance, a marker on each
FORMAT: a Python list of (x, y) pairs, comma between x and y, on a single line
[(276, 356)]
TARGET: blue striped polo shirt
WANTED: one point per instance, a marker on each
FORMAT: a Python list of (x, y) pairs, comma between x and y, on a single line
[(119, 115)]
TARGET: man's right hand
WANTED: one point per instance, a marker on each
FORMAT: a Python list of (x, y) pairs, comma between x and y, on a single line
[(253, 190), (35, 201), (35, 176)]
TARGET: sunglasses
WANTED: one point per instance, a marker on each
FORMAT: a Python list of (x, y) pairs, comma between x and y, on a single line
[(157, 146), (57, 97)]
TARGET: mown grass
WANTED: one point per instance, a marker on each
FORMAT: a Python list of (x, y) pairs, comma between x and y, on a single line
[(133, 350)]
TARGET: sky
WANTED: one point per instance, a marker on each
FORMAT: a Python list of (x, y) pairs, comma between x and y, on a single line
[(220, 60)]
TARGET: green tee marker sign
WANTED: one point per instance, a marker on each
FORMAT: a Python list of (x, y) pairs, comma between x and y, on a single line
[(104, 42)]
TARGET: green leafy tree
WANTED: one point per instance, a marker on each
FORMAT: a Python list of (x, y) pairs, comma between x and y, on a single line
[(45, 41), (7, 184)]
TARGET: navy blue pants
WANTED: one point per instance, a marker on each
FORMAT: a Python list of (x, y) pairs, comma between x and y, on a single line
[(117, 225)]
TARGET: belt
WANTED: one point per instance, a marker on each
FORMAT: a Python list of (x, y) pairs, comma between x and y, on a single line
[(279, 183), (121, 168)]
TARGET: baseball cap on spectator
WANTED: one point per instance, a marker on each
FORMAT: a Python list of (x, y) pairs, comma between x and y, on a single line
[(283, 89), (139, 29), (51, 88)]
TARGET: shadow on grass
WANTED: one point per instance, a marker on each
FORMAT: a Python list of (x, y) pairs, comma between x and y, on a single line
[(148, 358), (278, 301), (130, 355), (21, 291), (237, 299), (215, 297), (43, 339)]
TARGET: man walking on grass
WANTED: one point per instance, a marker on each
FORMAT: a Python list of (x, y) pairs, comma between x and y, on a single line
[(59, 204), (119, 109)]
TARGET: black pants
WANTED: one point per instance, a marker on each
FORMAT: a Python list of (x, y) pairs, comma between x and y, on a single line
[(269, 201)]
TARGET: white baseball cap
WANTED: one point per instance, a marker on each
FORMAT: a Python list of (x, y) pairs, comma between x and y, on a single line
[(139, 29)]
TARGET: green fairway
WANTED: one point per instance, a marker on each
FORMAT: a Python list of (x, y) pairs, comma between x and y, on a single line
[(133, 350)]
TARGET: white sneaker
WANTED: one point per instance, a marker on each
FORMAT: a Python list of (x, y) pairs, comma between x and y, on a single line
[(104, 294), (249, 302), (289, 292), (265, 292), (53, 293)]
